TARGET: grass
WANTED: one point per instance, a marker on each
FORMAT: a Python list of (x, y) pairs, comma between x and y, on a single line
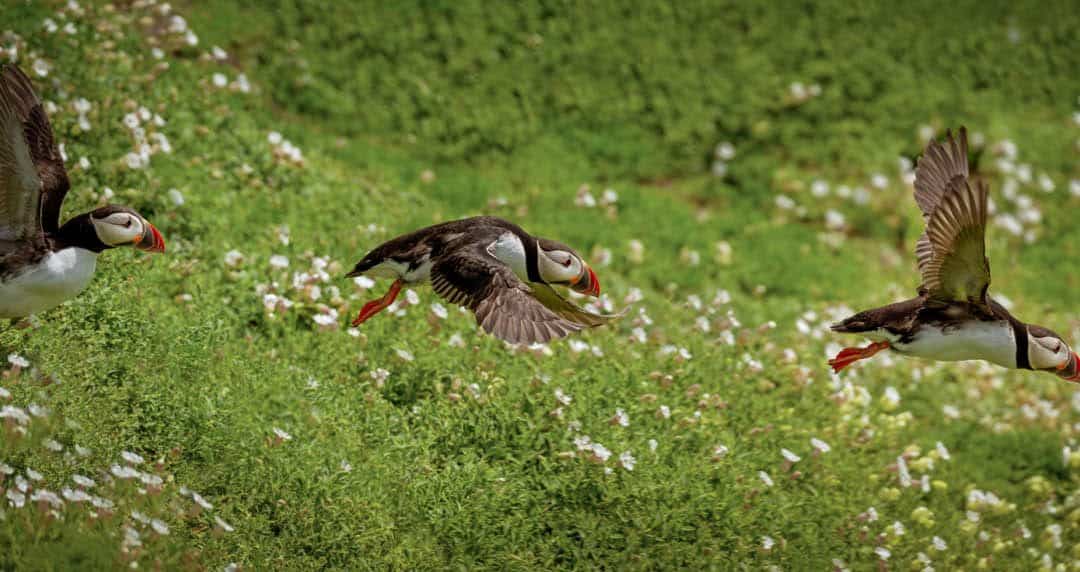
[(417, 443)]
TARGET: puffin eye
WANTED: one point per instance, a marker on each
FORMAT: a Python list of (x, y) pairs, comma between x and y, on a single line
[(567, 263), (128, 223)]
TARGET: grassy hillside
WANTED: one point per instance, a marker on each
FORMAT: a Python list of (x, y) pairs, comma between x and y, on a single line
[(759, 167)]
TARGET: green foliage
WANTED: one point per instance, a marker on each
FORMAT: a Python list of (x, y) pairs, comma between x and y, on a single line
[(417, 443)]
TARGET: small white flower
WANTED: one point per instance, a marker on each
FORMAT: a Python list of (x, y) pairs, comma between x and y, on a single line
[(600, 452), (84, 482), (627, 461), (790, 456), (233, 258), (653, 445), (404, 355), (159, 526), (274, 138), (621, 418), (380, 376), (282, 435), (279, 261), (902, 471), (124, 472), (942, 451), (665, 411), (439, 311), (725, 151), (75, 495), (224, 526), (882, 552), (18, 361), (345, 466), (765, 478), (721, 451), (176, 197), (562, 397), (820, 445), (220, 80), (131, 458), (767, 543), (939, 544)]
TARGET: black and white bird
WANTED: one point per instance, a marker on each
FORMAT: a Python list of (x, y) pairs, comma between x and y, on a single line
[(953, 318), (43, 263), (491, 266)]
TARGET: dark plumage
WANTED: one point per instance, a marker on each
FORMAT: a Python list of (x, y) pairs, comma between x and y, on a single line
[(495, 269), (953, 317)]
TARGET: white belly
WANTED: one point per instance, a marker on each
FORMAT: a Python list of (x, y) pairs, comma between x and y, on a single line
[(58, 277), (990, 341)]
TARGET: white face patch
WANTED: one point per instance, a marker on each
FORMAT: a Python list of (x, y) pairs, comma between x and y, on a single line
[(118, 229), (558, 266), (1048, 353), (509, 250)]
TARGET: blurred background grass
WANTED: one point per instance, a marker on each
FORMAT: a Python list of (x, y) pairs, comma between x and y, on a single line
[(717, 124)]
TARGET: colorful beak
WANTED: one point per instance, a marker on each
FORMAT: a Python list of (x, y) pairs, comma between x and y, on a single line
[(1071, 370), (587, 283), (151, 240)]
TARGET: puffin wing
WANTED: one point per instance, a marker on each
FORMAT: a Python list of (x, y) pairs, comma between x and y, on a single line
[(939, 165), (504, 306), (550, 298), (33, 181), (958, 270)]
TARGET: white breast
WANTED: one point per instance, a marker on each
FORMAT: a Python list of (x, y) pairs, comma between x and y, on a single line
[(990, 341), (509, 250), (58, 277)]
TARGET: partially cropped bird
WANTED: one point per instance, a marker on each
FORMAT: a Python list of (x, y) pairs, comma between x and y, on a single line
[(43, 263), (953, 318), (494, 268)]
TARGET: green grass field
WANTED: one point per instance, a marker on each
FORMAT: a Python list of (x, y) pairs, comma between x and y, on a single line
[(758, 161)]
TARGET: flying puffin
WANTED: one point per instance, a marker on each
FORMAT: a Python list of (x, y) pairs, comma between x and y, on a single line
[(495, 269), (41, 262), (953, 318)]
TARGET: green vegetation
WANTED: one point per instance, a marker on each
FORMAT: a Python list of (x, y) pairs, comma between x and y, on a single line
[(755, 156)]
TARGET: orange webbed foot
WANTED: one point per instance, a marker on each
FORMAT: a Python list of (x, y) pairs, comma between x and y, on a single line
[(375, 306), (848, 356)]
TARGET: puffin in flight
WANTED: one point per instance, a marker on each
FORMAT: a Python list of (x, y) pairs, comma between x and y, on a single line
[(43, 263), (491, 266), (953, 318)]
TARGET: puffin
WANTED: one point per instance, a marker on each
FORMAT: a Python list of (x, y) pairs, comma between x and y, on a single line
[(43, 263), (491, 266), (954, 318)]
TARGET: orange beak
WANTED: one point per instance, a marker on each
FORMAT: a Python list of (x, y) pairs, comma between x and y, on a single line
[(150, 240), (586, 283), (1070, 371)]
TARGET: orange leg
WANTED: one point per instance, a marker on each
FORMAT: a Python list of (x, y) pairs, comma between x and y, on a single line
[(375, 306), (848, 356)]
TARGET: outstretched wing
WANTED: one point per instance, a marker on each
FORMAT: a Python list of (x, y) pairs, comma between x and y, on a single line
[(503, 304), (33, 181), (958, 270), (938, 166)]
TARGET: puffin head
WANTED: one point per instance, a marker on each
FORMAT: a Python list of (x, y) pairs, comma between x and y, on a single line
[(1047, 351), (560, 264), (117, 226)]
